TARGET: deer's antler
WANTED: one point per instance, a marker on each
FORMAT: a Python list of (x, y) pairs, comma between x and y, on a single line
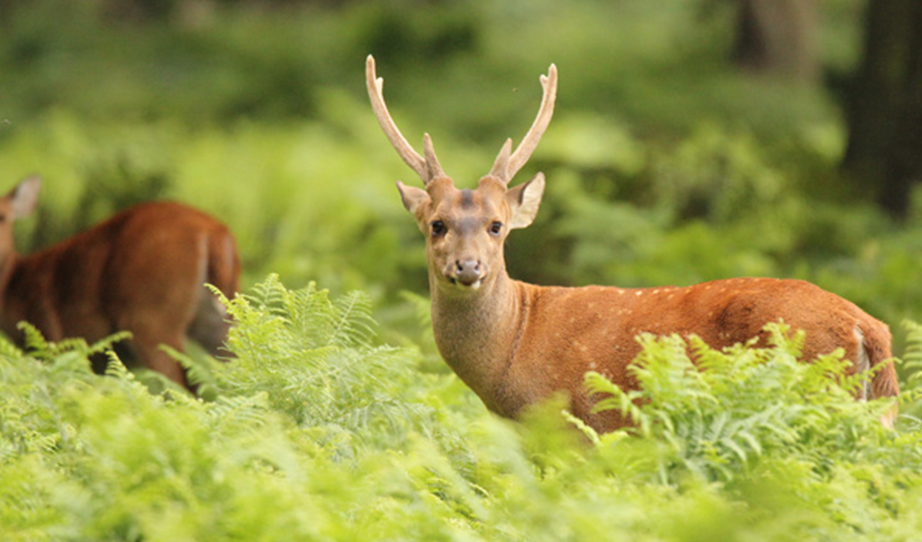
[(509, 163), (427, 168)]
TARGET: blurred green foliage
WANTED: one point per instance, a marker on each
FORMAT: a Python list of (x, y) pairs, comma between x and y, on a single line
[(313, 432), (665, 166)]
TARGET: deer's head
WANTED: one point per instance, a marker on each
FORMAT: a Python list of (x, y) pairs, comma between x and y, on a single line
[(464, 228)]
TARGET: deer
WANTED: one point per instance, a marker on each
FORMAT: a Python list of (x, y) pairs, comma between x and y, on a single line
[(143, 271), (516, 344)]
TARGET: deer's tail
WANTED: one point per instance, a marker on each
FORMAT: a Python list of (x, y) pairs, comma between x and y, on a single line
[(876, 342), (223, 264)]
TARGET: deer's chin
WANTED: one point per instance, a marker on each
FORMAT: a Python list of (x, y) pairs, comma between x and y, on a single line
[(456, 284)]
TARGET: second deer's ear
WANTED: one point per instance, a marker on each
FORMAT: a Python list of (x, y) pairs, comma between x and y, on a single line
[(412, 196), (524, 201), (25, 196)]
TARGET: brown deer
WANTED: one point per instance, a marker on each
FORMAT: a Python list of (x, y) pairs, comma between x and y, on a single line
[(144, 270), (515, 344)]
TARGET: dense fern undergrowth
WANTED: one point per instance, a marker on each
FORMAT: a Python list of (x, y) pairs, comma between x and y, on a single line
[(317, 431)]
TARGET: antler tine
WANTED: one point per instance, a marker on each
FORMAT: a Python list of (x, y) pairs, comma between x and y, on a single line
[(501, 166), (505, 172), (427, 168), (433, 168)]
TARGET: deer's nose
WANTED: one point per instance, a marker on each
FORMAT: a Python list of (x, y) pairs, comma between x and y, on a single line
[(468, 272)]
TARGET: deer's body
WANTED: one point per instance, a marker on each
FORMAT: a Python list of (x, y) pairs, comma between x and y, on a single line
[(143, 270), (542, 340), (515, 343)]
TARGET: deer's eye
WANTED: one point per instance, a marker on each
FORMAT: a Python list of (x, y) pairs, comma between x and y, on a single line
[(496, 228), (438, 228)]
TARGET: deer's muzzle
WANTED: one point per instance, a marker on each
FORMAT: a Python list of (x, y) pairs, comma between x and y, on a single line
[(468, 273)]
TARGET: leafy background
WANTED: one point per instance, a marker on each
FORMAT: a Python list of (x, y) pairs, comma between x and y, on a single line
[(666, 165)]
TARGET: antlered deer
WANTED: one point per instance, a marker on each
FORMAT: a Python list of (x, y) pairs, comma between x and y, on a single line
[(515, 343), (144, 270)]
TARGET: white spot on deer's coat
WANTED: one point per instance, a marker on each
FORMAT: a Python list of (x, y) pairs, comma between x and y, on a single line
[(638, 292)]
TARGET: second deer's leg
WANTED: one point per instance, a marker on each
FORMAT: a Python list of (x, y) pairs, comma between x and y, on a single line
[(147, 345), (210, 324)]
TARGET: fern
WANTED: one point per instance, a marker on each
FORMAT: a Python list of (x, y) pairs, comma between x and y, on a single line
[(105, 344), (319, 353), (353, 324), (34, 341), (40, 348), (722, 414), (422, 309), (8, 349), (116, 369), (912, 356), (321, 433)]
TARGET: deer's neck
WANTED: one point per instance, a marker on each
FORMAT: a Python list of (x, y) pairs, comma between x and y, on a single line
[(7, 264), (7, 319), (477, 333)]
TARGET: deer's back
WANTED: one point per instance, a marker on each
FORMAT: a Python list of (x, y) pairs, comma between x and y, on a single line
[(147, 256)]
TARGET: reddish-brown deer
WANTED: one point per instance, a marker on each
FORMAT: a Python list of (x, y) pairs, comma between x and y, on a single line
[(515, 344), (144, 271)]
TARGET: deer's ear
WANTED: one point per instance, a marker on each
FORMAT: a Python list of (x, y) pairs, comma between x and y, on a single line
[(524, 201), (24, 196), (412, 196)]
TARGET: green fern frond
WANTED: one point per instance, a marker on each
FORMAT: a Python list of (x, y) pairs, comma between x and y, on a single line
[(106, 344), (218, 294), (422, 308), (854, 383), (911, 395), (780, 337), (726, 410), (115, 368), (589, 432), (353, 324), (8, 349), (316, 352), (912, 355), (34, 341), (41, 348), (269, 293), (70, 344), (251, 410), (617, 399), (595, 383), (199, 371)]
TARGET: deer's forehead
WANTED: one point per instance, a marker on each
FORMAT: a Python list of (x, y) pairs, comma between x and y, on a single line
[(486, 199)]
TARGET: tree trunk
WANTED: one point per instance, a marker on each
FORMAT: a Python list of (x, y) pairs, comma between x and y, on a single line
[(778, 36), (884, 152)]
